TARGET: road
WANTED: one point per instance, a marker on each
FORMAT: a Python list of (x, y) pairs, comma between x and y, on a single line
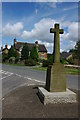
[(15, 76)]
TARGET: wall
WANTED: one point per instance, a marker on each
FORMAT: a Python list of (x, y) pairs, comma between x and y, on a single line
[(42, 55), (5, 51)]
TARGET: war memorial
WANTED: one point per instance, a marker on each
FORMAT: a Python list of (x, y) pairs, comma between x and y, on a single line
[(55, 90)]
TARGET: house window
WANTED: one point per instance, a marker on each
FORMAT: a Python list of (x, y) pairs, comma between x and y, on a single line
[(42, 55)]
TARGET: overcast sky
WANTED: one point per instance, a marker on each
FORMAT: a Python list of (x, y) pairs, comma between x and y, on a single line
[(31, 21)]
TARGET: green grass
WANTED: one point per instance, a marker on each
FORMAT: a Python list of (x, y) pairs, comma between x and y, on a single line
[(40, 68), (72, 71)]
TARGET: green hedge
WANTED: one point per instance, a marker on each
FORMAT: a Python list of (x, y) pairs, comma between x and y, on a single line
[(30, 62), (46, 63)]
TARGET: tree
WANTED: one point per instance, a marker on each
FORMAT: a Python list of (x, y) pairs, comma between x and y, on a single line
[(34, 53), (77, 50), (25, 52), (71, 50), (4, 57), (17, 56), (11, 52)]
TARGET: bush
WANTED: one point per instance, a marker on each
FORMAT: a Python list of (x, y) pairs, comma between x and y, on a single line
[(12, 60), (30, 62), (45, 63), (38, 63), (16, 60), (41, 60), (66, 62), (4, 57), (62, 60), (70, 60)]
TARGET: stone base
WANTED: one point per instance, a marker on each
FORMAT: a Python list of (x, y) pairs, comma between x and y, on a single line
[(56, 97)]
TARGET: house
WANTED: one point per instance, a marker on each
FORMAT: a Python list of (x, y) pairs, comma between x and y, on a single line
[(42, 51), (65, 55), (4, 50)]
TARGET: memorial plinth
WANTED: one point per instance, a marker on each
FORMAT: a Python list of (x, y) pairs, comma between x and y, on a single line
[(56, 78)]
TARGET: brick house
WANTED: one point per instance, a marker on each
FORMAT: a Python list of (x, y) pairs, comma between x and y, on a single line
[(42, 51), (4, 50)]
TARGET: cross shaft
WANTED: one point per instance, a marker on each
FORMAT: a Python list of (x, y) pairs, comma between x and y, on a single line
[(56, 32)]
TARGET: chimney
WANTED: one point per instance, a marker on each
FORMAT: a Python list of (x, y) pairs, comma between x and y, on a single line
[(15, 42), (36, 43), (6, 46)]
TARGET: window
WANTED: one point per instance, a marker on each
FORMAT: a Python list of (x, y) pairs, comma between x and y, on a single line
[(42, 55)]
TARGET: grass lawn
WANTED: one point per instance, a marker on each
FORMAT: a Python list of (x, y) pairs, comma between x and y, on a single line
[(73, 71)]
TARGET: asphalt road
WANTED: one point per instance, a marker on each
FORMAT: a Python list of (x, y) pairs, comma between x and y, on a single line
[(15, 76)]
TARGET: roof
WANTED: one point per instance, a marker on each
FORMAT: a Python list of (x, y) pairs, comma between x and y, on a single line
[(4, 49), (65, 55), (41, 47)]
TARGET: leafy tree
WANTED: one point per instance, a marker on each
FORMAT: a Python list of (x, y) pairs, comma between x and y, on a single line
[(71, 50), (17, 56), (25, 52), (11, 52), (4, 57), (50, 59), (77, 50), (34, 53)]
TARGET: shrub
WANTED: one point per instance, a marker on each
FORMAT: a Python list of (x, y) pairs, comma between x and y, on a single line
[(70, 60), (4, 57), (45, 63), (62, 60), (30, 62), (38, 63), (12, 60), (66, 62), (41, 60)]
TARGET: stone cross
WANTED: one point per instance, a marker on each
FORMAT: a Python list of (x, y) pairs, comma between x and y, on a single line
[(56, 77), (56, 32)]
